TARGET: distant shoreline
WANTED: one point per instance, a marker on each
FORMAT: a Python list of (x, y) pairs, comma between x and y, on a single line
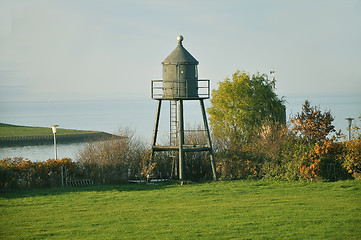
[(13, 135)]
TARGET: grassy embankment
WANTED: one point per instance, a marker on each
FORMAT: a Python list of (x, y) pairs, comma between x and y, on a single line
[(217, 210), (23, 135)]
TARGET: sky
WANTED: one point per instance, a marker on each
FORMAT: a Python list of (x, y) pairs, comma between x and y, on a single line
[(66, 50)]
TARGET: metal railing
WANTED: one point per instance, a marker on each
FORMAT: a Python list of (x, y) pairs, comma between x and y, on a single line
[(157, 89)]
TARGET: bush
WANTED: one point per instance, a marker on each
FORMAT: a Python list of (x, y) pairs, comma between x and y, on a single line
[(269, 154), (270, 145), (115, 160), (238, 163), (19, 173), (352, 157)]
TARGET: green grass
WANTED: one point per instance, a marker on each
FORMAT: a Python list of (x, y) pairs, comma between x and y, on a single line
[(216, 210), (8, 130)]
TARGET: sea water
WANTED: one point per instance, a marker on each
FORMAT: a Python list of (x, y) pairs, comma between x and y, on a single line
[(37, 153)]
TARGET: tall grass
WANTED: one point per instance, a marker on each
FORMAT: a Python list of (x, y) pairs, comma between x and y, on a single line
[(218, 210)]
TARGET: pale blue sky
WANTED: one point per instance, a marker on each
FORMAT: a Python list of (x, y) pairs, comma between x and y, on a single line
[(111, 49)]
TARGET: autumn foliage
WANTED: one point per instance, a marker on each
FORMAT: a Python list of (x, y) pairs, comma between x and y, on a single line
[(311, 124), (352, 157), (307, 149), (19, 173)]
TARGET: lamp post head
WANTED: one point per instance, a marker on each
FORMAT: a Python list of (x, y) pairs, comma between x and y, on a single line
[(54, 128), (349, 121)]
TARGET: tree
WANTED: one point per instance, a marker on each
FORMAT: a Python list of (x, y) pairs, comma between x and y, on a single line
[(311, 124), (241, 106)]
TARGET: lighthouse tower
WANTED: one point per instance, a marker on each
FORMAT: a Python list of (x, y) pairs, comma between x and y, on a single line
[(180, 83)]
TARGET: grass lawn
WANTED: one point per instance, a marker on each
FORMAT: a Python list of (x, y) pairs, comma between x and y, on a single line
[(216, 210), (8, 130)]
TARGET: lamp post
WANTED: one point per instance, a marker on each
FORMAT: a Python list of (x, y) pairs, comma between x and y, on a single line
[(272, 72), (349, 127), (54, 132), (53, 127)]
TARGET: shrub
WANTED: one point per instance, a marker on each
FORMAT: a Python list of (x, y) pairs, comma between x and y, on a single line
[(114, 160), (272, 153), (19, 173), (292, 151), (352, 157), (238, 163), (323, 161), (269, 144)]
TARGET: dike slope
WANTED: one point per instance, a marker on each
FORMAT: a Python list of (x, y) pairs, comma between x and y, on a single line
[(14, 135)]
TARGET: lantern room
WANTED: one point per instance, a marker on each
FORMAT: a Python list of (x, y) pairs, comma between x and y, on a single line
[(180, 77)]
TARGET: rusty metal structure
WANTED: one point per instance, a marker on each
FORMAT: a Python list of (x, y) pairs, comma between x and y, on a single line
[(180, 83)]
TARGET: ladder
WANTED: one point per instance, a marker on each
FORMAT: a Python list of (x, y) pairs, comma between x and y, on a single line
[(173, 128), (173, 135)]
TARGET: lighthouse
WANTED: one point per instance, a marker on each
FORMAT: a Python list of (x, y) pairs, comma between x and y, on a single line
[(180, 83)]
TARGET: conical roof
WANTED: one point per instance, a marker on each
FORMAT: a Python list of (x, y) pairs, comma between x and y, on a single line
[(180, 55)]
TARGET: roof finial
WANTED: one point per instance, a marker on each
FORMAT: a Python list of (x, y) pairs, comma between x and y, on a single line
[(180, 39)]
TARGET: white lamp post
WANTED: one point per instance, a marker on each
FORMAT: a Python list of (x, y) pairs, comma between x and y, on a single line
[(272, 72), (53, 127), (349, 127), (54, 132)]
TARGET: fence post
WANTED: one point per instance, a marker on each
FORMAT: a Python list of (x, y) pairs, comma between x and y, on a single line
[(66, 176), (62, 176)]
